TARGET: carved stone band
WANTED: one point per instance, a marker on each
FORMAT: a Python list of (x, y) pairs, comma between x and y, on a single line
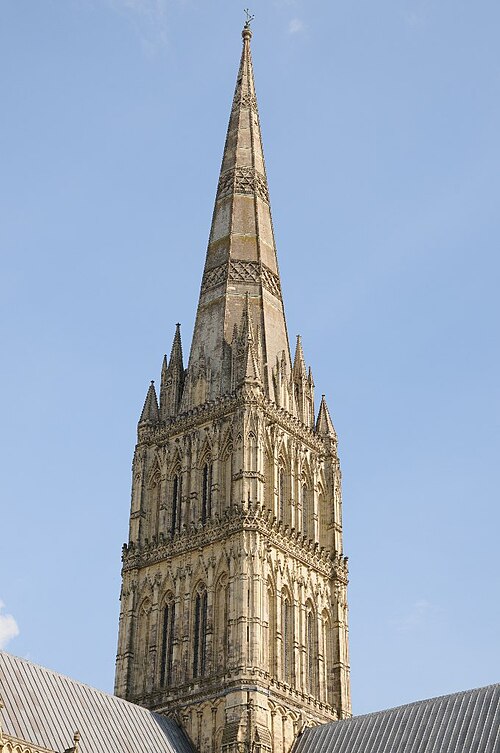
[(244, 180), (246, 100), (242, 271)]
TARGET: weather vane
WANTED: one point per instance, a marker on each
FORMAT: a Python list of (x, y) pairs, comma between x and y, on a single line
[(249, 20)]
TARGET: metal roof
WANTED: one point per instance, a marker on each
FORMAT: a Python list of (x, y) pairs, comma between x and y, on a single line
[(45, 708), (467, 722)]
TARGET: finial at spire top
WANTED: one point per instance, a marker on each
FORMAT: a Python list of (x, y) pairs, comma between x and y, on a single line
[(247, 32)]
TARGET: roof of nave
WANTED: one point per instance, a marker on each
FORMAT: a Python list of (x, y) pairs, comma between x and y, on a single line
[(466, 722), (46, 709)]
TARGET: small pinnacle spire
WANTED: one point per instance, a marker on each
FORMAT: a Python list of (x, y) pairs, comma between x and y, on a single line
[(150, 412), (299, 364), (324, 424), (172, 378), (176, 352)]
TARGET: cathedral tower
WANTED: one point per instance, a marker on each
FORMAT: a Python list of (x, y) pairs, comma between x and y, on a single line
[(233, 604)]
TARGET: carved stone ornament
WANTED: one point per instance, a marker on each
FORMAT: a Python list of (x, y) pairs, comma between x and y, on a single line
[(246, 100), (242, 271), (243, 180)]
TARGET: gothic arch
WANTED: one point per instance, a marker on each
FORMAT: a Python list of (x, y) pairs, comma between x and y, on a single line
[(175, 462), (154, 494), (206, 486), (221, 623), (325, 515), (166, 633), (283, 489), (252, 450), (142, 643), (200, 570), (199, 631), (287, 636), (226, 474), (312, 661), (327, 651), (271, 626), (307, 506), (174, 506)]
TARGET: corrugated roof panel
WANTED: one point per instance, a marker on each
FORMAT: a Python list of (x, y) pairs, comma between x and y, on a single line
[(467, 722), (46, 709)]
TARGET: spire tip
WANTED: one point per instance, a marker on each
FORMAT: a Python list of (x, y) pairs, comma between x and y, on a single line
[(247, 32)]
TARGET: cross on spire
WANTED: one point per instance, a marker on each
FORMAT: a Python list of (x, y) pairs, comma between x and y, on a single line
[(250, 18)]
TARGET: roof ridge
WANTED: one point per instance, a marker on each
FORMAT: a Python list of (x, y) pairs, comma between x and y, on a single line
[(422, 702)]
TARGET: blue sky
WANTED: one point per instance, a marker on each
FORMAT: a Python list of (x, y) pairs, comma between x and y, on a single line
[(380, 124)]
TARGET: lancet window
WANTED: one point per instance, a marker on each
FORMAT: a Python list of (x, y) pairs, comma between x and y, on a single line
[(327, 655), (226, 475), (167, 641), (252, 452), (200, 631), (206, 492), (281, 493), (154, 504), (175, 526), (221, 623), (143, 638), (287, 636), (271, 628), (305, 511), (312, 650)]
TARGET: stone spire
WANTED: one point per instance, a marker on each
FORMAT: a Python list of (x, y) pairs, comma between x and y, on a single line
[(172, 379), (241, 256), (150, 413), (299, 363), (324, 423)]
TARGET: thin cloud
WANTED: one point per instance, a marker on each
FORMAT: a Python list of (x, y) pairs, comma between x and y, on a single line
[(419, 614), (8, 627), (417, 14), (150, 19), (295, 26)]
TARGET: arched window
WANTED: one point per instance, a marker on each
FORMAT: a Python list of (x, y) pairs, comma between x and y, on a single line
[(312, 650), (221, 623), (271, 629), (154, 505), (305, 511), (327, 656), (225, 478), (143, 638), (206, 492), (167, 641), (175, 526), (281, 494), (252, 452), (200, 631), (287, 634)]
